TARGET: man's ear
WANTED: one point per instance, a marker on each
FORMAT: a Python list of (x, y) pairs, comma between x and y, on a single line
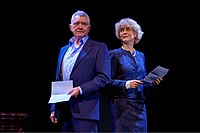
[(71, 27)]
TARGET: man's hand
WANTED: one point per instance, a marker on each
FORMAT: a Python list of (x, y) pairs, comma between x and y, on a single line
[(53, 117), (74, 92)]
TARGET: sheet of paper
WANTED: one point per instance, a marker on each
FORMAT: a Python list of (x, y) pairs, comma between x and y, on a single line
[(59, 91), (157, 72)]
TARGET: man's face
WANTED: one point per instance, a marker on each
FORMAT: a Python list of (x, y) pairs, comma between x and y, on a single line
[(80, 26)]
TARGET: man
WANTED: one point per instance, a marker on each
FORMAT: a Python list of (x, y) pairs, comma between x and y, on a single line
[(87, 63)]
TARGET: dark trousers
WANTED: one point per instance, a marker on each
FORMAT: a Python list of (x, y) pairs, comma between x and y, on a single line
[(80, 125)]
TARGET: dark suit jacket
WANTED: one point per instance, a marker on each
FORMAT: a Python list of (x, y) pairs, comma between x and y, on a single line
[(91, 72)]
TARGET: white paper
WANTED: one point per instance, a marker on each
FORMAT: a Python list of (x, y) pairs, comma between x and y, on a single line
[(59, 91)]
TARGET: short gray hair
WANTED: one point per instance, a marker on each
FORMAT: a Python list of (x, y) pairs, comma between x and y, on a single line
[(132, 24), (81, 14)]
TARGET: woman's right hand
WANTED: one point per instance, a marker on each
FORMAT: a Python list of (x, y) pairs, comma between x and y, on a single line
[(135, 83)]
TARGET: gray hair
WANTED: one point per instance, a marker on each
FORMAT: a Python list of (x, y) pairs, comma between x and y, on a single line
[(81, 14), (132, 24)]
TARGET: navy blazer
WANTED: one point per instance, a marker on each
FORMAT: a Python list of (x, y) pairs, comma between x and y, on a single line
[(91, 72)]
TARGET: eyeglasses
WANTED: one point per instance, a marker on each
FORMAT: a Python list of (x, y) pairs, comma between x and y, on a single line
[(83, 24)]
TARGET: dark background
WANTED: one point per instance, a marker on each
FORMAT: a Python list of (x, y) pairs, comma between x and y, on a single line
[(33, 32)]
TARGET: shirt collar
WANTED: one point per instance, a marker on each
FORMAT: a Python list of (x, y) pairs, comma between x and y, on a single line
[(83, 40)]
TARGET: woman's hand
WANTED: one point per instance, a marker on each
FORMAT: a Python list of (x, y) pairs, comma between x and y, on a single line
[(134, 83), (157, 81)]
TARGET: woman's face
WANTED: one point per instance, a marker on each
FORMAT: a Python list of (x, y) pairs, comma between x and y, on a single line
[(126, 34)]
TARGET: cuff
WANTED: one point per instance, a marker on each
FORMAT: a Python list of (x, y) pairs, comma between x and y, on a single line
[(127, 85), (81, 92)]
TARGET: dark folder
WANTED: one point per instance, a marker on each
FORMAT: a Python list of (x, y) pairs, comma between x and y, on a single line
[(159, 71)]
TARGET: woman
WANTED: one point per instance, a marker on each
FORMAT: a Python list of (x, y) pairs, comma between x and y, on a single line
[(128, 69)]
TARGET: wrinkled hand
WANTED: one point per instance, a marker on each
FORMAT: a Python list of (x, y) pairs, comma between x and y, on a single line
[(74, 92), (157, 81), (135, 83), (53, 118)]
